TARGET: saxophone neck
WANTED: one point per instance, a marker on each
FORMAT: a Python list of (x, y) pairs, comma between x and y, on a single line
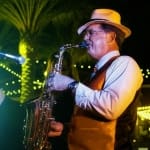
[(83, 44)]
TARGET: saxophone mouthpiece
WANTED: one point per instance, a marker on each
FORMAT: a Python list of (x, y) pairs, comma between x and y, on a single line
[(83, 44)]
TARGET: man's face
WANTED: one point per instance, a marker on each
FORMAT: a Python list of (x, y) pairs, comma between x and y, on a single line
[(96, 38)]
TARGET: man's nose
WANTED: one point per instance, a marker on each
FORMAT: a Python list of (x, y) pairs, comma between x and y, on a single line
[(86, 37)]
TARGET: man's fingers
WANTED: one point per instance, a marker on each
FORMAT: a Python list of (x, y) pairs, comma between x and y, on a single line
[(56, 129), (54, 133)]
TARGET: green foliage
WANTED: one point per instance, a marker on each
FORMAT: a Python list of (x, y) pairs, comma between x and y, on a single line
[(45, 25), (25, 15)]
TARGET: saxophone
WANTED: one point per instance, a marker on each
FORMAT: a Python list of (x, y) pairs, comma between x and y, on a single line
[(39, 111)]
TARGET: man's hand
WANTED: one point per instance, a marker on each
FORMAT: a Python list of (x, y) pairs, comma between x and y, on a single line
[(56, 129), (59, 82)]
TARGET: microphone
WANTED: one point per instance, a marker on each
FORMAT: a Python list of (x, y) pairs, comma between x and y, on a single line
[(19, 59)]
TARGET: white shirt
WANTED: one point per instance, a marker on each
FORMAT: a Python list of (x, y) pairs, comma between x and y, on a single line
[(123, 79)]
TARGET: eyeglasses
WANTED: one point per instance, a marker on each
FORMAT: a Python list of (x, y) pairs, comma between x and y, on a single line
[(91, 32)]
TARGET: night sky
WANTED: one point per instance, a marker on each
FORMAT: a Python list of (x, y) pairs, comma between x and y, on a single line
[(136, 15)]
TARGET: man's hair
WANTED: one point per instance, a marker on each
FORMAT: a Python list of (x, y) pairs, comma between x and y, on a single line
[(120, 36)]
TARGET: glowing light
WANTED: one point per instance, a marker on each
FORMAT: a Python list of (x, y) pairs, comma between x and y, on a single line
[(74, 65), (44, 62), (82, 66), (37, 61), (89, 67), (144, 112)]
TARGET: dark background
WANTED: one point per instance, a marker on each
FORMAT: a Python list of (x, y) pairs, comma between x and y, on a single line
[(135, 15)]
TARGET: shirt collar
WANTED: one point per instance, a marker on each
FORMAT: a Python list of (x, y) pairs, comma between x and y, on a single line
[(106, 57)]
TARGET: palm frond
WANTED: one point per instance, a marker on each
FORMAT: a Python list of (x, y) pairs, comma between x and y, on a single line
[(27, 15)]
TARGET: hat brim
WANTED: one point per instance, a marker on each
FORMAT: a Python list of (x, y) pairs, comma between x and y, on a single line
[(124, 29)]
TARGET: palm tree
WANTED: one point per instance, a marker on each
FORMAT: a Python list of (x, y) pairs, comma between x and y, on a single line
[(31, 18)]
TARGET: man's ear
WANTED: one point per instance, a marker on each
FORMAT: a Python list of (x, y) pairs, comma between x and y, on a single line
[(111, 36)]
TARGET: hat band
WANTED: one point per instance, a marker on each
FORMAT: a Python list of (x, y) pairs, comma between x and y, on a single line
[(97, 20)]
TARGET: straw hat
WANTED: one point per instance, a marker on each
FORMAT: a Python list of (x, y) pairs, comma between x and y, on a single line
[(107, 16)]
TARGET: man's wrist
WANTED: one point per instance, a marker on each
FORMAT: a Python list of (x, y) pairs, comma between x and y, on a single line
[(73, 85)]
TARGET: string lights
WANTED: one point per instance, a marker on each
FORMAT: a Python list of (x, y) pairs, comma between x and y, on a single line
[(38, 84)]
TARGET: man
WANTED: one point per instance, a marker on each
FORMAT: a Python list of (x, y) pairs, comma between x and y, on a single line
[(105, 109)]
